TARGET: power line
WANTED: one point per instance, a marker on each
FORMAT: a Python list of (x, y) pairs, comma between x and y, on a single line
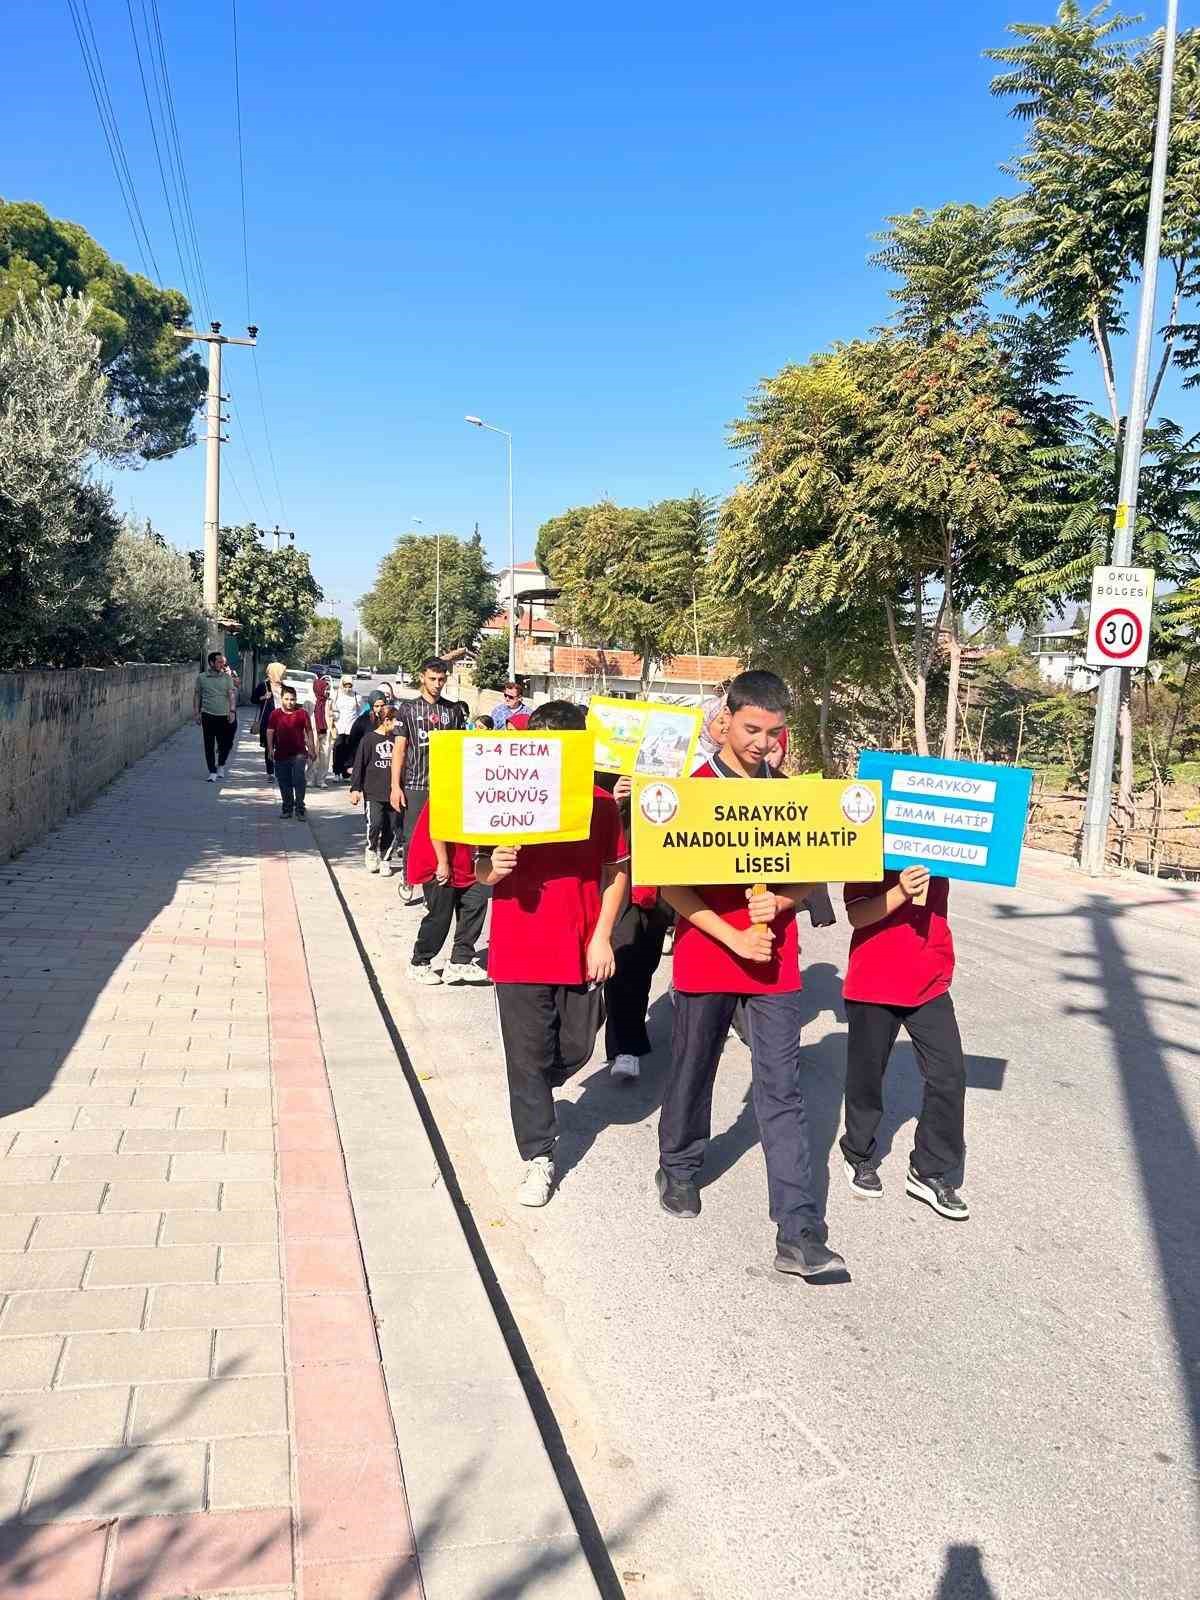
[(176, 146), (157, 151), (112, 136), (241, 152)]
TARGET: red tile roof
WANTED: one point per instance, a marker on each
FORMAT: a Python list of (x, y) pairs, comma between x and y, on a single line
[(709, 670)]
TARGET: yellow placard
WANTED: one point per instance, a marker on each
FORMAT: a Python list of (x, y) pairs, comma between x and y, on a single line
[(645, 736), (792, 830), (510, 787)]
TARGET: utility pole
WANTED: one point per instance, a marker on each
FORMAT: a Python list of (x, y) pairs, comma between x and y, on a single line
[(1094, 844), (214, 439), (282, 533)]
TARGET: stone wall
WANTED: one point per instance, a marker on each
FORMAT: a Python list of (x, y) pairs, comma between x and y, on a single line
[(64, 735)]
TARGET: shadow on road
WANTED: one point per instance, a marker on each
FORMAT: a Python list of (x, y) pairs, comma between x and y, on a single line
[(963, 1577), (1167, 1154)]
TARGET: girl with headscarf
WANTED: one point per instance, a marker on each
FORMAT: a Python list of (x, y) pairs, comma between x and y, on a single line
[(268, 697)]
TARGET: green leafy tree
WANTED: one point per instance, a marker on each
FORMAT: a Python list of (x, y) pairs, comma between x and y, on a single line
[(57, 528), (400, 608), (156, 607), (322, 640), (156, 381), (271, 595), (491, 662), (560, 530), (633, 578)]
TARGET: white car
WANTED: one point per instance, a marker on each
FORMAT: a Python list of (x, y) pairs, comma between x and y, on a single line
[(302, 682)]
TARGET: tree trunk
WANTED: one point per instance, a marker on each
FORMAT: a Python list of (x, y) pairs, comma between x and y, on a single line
[(1020, 733), (823, 718), (647, 671), (921, 681), (950, 612)]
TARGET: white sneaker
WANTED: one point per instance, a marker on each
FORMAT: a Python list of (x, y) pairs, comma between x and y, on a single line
[(221, 774), (538, 1183), (370, 860), (424, 974), (626, 1067), (385, 866), (463, 972), (212, 777)]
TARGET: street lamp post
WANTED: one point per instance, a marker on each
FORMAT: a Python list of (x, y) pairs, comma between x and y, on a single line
[(478, 422)]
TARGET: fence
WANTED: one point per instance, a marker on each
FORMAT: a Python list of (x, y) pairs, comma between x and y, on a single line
[(64, 735)]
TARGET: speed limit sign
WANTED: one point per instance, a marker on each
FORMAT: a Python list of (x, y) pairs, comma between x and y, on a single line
[(1119, 620)]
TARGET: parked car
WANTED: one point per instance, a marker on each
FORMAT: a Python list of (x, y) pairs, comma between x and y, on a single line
[(364, 672), (302, 682)]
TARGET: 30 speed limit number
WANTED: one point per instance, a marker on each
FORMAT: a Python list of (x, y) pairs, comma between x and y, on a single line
[(1119, 620)]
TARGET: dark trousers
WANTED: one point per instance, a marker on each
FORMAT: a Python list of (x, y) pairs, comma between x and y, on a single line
[(547, 1032), (938, 1146), (416, 801), (343, 755), (444, 904), (637, 949), (685, 1123), (289, 774), (218, 734), (382, 826)]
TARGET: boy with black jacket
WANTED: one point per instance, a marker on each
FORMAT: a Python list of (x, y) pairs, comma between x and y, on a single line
[(372, 779)]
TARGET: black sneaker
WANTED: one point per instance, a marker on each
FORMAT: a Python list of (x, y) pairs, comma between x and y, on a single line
[(864, 1181), (939, 1195), (677, 1199), (285, 815), (301, 812), (806, 1256)]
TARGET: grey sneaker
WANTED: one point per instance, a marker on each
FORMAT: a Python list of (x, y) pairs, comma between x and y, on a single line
[(626, 1067), (424, 974), (538, 1183)]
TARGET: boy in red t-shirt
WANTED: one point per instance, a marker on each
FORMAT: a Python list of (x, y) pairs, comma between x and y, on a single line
[(733, 945), (899, 973), (290, 746), (446, 873), (554, 907)]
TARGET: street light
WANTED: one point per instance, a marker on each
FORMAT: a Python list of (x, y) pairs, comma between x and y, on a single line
[(478, 422)]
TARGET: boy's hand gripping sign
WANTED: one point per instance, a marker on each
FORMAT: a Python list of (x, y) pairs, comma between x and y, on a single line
[(791, 830), (961, 819), (510, 787)]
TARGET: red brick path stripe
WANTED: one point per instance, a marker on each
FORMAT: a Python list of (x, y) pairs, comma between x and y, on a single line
[(354, 1531)]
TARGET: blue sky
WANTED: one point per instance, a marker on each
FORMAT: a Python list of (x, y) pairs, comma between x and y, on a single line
[(596, 234)]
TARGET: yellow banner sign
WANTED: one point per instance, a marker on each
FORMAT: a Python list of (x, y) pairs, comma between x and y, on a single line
[(510, 787), (643, 736), (792, 830)]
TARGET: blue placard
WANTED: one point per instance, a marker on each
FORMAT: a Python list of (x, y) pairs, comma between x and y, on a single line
[(961, 819)]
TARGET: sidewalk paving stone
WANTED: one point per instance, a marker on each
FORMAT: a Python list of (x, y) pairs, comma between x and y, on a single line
[(195, 1154)]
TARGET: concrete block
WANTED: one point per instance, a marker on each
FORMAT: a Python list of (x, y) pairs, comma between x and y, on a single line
[(105, 1230), (92, 1419), (469, 1343), (223, 1305), (246, 1352), (28, 1363), (73, 1485), (159, 1265), (72, 1311), (460, 1486), (41, 1269), (221, 1227), (161, 1197), (250, 1472), (132, 1358), (211, 1410)]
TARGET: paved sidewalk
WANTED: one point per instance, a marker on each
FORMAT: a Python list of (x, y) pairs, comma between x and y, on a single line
[(193, 1397)]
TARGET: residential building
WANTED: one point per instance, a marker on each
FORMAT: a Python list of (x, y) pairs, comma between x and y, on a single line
[(1059, 653)]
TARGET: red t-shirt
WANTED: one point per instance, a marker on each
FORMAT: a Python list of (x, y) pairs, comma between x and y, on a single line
[(289, 729), (420, 863), (908, 957), (702, 965), (546, 910)]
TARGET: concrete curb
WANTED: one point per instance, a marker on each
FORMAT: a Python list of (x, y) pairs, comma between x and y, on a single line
[(489, 1514)]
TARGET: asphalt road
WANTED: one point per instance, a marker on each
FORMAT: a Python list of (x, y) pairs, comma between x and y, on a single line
[(999, 1410)]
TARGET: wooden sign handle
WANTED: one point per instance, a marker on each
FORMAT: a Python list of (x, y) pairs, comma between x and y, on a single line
[(921, 895)]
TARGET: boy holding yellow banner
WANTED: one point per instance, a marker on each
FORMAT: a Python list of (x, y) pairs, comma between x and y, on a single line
[(739, 943)]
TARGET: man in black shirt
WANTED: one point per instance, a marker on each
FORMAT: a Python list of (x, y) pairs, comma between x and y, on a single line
[(372, 780), (415, 721)]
